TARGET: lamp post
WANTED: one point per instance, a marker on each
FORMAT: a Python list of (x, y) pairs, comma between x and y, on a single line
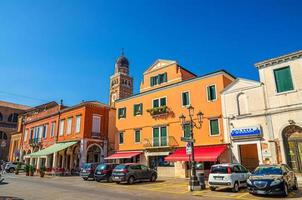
[(193, 178)]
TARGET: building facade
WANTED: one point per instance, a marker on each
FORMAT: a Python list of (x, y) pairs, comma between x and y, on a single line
[(64, 138), (148, 125), (263, 119), (9, 113)]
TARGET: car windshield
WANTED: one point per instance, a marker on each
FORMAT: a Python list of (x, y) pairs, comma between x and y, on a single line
[(120, 167), (87, 165), (101, 167), (219, 170), (267, 170)]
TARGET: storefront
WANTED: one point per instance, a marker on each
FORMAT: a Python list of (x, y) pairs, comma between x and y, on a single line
[(126, 157), (246, 146)]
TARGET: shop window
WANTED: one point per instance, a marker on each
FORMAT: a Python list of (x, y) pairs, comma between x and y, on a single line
[(122, 113), (283, 79), (185, 99), (214, 127), (211, 90), (137, 136), (138, 109)]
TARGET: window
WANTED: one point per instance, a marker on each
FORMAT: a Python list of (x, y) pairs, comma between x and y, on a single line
[(137, 136), (78, 124), (61, 128), (1, 116), (121, 138), (211, 90), (44, 128), (122, 113), (159, 102), (25, 134), (96, 124), (187, 131), (3, 136), (160, 136), (214, 127), (159, 79), (31, 133), (185, 99), (52, 129), (13, 117), (283, 79), (69, 123), (138, 109)]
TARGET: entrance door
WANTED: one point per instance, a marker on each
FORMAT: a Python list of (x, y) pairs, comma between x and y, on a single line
[(249, 156), (295, 154)]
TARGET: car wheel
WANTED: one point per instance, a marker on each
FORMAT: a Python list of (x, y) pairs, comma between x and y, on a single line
[(153, 178), (85, 179), (285, 192), (212, 188), (11, 170), (98, 180), (109, 179), (295, 187), (131, 180), (236, 187)]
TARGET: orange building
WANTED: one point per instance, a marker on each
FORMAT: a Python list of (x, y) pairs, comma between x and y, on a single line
[(63, 138), (148, 124)]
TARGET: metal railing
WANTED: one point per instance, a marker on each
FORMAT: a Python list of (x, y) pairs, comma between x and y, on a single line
[(169, 141)]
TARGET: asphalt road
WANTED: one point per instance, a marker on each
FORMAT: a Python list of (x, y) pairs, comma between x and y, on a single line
[(61, 188)]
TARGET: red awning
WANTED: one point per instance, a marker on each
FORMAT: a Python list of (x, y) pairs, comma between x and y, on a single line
[(123, 154), (206, 153)]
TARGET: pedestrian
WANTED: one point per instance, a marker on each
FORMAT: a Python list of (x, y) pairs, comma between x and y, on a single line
[(3, 168)]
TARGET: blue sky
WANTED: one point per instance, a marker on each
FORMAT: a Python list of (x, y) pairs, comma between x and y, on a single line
[(60, 49)]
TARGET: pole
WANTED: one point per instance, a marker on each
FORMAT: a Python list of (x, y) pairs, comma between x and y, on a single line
[(193, 178)]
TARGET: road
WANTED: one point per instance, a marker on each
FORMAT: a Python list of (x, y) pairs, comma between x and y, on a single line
[(61, 188)]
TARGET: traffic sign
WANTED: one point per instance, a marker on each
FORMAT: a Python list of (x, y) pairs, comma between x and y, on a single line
[(189, 148)]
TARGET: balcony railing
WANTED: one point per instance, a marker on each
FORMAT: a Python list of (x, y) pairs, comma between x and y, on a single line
[(157, 142), (162, 110), (35, 142)]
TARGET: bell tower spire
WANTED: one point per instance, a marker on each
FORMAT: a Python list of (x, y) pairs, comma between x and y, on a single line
[(121, 83)]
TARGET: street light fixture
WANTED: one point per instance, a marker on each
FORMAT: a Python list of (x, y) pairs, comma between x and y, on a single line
[(193, 178)]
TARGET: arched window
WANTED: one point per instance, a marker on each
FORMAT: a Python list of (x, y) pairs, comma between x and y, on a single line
[(3, 136), (13, 117), (242, 104), (1, 116)]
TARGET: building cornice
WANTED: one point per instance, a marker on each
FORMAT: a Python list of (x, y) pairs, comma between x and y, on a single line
[(280, 59)]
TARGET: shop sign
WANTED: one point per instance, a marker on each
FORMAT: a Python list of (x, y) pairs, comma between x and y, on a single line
[(189, 148), (252, 131)]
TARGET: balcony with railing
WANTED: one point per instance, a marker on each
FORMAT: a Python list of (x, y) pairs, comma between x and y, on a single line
[(35, 142), (160, 142), (158, 111)]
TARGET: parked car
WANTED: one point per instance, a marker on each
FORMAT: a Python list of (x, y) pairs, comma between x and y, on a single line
[(272, 179), (87, 171), (12, 166), (104, 172), (132, 172), (233, 176)]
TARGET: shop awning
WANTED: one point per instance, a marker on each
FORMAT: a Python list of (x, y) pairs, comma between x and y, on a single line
[(52, 149), (206, 153), (123, 154)]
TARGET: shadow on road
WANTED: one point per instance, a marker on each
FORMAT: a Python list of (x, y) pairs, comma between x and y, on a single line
[(9, 198), (3, 183)]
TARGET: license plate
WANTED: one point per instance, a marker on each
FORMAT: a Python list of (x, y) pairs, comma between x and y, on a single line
[(84, 171), (218, 178), (116, 178), (260, 192), (99, 172)]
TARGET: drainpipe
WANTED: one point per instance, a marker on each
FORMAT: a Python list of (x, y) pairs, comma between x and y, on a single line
[(58, 125)]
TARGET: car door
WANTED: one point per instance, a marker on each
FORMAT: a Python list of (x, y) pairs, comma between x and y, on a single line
[(145, 172), (237, 174), (244, 174)]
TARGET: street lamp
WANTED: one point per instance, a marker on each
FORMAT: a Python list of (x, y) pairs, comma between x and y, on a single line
[(193, 178)]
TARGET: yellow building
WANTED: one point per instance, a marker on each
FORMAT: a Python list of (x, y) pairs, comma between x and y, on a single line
[(148, 124)]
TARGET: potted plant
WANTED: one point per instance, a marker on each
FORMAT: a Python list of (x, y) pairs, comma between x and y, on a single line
[(42, 171), (26, 169), (18, 168), (31, 170)]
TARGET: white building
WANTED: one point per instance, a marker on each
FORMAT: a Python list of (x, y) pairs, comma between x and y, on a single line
[(264, 119)]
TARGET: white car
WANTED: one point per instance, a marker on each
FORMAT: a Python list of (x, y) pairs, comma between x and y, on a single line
[(233, 176)]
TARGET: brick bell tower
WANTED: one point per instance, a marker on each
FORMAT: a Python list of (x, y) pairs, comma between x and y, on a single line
[(121, 84)]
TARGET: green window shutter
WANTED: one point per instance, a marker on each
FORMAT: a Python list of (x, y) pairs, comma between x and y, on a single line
[(163, 102), (185, 98), (165, 78), (163, 136), (141, 107), (214, 127), (209, 93), (121, 138), (283, 79), (134, 109), (155, 103), (187, 131), (211, 90), (119, 113), (137, 136), (159, 78), (155, 137), (152, 81)]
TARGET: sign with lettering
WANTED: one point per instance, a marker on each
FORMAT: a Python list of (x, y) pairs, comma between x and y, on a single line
[(189, 148), (252, 131)]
